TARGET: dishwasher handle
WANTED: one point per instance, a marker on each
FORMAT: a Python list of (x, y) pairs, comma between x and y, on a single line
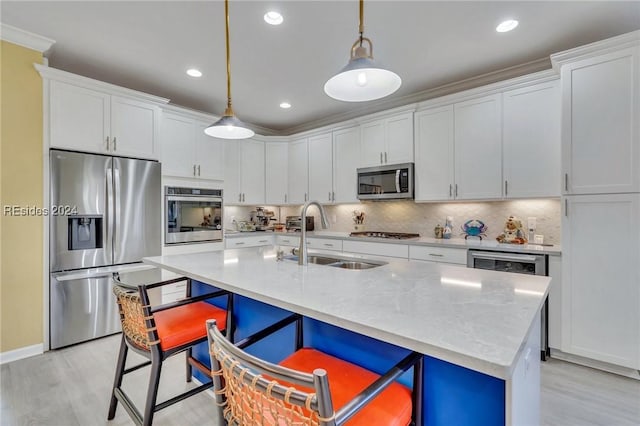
[(502, 256)]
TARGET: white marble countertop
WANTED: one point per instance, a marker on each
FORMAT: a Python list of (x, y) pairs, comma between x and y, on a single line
[(486, 244), (475, 318)]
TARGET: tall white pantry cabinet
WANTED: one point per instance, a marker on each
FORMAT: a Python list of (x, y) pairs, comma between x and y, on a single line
[(601, 202)]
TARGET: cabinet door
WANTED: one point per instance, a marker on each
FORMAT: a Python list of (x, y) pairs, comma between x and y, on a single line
[(600, 257), (434, 154), (276, 159), (133, 127), (321, 168), (177, 140), (531, 144), (232, 193), (601, 123), (346, 156), (80, 118), (298, 172), (399, 139), (372, 144), (209, 151), (478, 148), (252, 171)]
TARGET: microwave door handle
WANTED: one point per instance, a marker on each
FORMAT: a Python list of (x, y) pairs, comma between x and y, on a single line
[(398, 181)]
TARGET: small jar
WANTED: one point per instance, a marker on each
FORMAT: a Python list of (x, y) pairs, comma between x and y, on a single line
[(438, 230)]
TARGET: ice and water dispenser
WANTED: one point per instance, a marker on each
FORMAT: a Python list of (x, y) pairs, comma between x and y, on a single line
[(85, 232)]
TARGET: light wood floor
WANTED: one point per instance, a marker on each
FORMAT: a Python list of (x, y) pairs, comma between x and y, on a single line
[(72, 387)]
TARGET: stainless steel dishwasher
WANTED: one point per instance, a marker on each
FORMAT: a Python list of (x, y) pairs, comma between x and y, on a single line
[(519, 263)]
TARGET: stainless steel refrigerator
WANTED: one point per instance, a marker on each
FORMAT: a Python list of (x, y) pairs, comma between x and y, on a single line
[(107, 219)]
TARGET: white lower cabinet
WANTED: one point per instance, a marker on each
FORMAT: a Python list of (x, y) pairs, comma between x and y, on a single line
[(324, 244), (250, 241), (376, 249), (601, 278), (555, 303), (438, 254), (288, 240)]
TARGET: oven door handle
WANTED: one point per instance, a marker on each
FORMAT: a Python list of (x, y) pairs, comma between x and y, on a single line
[(501, 256), (198, 198)]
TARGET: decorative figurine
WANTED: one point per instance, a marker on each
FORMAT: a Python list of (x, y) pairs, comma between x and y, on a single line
[(474, 228), (513, 232), (438, 230), (448, 228)]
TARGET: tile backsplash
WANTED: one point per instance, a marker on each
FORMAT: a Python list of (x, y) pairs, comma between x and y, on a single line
[(422, 218)]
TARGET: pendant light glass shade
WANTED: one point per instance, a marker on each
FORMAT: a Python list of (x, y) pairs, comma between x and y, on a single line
[(362, 79), (229, 126)]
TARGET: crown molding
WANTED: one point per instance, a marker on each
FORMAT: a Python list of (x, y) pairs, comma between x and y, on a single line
[(597, 48), (404, 101), (89, 83), (25, 38)]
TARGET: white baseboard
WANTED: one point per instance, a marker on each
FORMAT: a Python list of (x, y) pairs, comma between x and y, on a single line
[(21, 353), (599, 365)]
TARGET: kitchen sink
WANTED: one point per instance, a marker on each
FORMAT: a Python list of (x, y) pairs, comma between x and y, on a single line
[(339, 262)]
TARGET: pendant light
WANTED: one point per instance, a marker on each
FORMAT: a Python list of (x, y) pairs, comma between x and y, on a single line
[(229, 126), (362, 79)]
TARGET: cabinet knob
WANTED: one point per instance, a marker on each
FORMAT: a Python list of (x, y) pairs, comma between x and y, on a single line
[(450, 190), (566, 182), (456, 193), (107, 143), (506, 188), (385, 157), (114, 144), (194, 169), (381, 158), (198, 169)]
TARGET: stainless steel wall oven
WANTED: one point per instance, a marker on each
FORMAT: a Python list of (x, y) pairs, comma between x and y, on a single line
[(192, 215), (519, 263)]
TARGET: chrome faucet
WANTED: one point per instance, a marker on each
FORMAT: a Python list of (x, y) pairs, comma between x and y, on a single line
[(302, 252)]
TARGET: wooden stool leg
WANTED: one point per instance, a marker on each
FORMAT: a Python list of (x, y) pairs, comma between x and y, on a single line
[(152, 392), (189, 368), (117, 381)]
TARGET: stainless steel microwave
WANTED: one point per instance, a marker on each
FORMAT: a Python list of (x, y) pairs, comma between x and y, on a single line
[(387, 182), (192, 215)]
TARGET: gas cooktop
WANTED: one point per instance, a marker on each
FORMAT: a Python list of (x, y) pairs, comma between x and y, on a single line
[(390, 235)]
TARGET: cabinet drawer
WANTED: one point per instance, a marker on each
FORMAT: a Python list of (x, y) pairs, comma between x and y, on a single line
[(438, 254), (288, 240), (324, 244), (378, 249), (253, 241)]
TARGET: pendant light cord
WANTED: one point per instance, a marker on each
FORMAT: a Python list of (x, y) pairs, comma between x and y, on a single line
[(361, 26), (229, 110)]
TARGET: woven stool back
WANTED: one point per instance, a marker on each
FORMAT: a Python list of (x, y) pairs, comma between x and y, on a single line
[(132, 316)]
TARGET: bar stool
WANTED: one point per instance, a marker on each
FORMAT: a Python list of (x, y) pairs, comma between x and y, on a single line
[(309, 387), (160, 332)]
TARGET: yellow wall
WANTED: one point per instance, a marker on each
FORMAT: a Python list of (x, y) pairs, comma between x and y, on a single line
[(21, 237)]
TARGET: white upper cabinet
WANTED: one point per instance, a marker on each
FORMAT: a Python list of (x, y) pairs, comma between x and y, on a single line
[(91, 120), (209, 153), (244, 172), (321, 168), (478, 148), (387, 141), (601, 123), (298, 171), (346, 157), (186, 151), (276, 158), (434, 148), (531, 141), (177, 141), (600, 278)]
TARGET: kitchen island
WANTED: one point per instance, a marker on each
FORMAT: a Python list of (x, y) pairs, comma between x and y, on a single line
[(479, 330)]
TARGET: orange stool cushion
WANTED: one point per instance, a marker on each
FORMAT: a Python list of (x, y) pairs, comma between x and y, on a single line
[(391, 408), (186, 323)]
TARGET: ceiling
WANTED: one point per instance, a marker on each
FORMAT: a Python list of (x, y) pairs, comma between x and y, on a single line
[(148, 45)]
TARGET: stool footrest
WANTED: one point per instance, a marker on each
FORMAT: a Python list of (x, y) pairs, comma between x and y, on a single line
[(136, 367), (200, 366), (182, 396)]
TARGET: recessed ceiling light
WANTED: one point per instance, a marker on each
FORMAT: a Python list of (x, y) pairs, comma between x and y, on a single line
[(507, 25), (272, 17), (194, 72), (285, 105)]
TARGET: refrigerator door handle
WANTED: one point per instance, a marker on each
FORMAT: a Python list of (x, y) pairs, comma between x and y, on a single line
[(116, 209), (108, 213)]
